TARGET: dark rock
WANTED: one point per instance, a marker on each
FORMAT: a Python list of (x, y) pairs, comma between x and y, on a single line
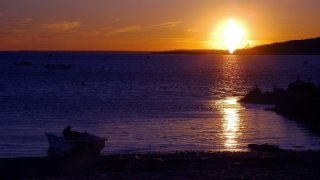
[(265, 148), (256, 96), (300, 101)]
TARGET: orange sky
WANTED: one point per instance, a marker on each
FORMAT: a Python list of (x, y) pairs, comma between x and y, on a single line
[(149, 24)]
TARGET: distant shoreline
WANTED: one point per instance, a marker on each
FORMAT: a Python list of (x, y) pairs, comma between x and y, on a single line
[(294, 47), (150, 53), (80, 51)]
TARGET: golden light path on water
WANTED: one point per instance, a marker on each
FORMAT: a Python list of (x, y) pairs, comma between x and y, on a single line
[(229, 107), (231, 123)]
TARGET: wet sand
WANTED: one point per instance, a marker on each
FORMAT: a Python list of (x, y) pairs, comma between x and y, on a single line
[(179, 165)]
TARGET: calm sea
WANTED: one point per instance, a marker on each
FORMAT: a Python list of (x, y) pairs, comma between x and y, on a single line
[(145, 102)]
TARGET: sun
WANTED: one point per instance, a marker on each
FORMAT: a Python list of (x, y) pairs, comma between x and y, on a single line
[(233, 35), (229, 35)]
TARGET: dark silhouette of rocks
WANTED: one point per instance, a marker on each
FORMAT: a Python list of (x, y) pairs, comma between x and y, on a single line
[(300, 101), (265, 148), (256, 96)]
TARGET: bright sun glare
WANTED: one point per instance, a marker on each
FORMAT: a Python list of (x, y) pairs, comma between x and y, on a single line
[(229, 35), (233, 35)]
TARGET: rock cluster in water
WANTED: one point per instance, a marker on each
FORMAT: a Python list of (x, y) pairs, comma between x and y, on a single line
[(301, 101)]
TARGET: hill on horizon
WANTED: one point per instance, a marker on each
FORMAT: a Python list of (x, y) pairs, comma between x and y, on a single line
[(293, 47)]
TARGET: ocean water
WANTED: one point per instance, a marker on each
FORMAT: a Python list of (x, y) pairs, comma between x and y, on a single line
[(144, 102)]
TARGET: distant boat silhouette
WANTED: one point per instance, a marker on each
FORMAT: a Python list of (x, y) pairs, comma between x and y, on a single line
[(51, 55)]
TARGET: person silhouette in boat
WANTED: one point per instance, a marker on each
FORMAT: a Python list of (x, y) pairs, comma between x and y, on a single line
[(69, 134)]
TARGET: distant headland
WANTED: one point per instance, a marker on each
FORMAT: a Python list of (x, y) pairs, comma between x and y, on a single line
[(293, 47)]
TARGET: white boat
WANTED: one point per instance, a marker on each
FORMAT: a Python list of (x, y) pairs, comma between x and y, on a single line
[(86, 144)]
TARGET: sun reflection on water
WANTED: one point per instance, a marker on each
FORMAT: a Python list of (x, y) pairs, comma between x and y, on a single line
[(231, 101), (231, 121), (230, 126)]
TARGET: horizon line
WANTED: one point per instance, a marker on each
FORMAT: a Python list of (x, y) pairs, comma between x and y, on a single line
[(154, 51)]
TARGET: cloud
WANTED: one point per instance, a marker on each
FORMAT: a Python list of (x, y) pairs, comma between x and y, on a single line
[(136, 28), (124, 30), (98, 31), (165, 25), (62, 26), (12, 21), (26, 21), (117, 19), (177, 39), (193, 30)]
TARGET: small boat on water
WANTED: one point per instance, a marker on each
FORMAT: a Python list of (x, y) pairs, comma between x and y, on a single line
[(84, 144)]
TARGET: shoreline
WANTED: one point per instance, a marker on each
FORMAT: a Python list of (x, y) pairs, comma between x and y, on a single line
[(183, 165)]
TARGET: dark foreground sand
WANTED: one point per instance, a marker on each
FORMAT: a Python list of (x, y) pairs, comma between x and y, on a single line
[(181, 165)]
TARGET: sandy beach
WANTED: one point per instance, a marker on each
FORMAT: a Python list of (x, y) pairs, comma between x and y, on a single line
[(178, 165)]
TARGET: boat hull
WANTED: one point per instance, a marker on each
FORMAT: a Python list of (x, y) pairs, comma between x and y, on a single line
[(86, 145)]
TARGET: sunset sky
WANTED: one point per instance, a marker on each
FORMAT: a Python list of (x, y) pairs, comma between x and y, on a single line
[(149, 24)]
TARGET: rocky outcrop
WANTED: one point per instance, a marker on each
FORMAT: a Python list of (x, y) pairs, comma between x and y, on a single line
[(300, 101)]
